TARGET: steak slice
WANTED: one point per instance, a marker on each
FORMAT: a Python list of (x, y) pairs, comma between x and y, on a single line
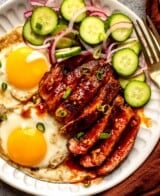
[(90, 113), (83, 94), (123, 148), (97, 156), (82, 145)]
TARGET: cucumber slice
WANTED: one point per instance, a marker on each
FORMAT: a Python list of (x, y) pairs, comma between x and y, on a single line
[(124, 81), (59, 28), (92, 30), (134, 45), (70, 7), (137, 93), (120, 34), (68, 52), (66, 42), (30, 36), (125, 61), (44, 20)]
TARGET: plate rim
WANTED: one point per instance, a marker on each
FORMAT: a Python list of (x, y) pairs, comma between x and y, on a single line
[(88, 191)]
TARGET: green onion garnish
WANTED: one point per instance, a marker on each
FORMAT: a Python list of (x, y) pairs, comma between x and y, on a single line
[(67, 93), (4, 86), (101, 108), (79, 135), (97, 52), (85, 70), (40, 126), (0, 64), (99, 74), (60, 112), (34, 99), (3, 117), (104, 135)]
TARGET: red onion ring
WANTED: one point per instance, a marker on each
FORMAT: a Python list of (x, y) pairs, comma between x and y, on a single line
[(82, 10), (53, 44)]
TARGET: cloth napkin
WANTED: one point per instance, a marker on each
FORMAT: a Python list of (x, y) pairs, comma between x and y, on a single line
[(146, 180)]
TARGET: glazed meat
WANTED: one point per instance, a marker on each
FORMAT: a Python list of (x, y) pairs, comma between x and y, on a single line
[(85, 96), (53, 77), (100, 153), (123, 148), (90, 113), (84, 93), (70, 81), (82, 145), (49, 81)]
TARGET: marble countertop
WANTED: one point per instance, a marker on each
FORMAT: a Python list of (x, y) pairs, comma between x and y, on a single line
[(135, 5)]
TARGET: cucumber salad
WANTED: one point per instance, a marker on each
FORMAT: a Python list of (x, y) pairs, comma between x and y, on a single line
[(72, 27)]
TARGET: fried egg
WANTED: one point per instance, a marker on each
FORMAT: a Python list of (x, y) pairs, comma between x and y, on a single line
[(32, 141), (21, 71)]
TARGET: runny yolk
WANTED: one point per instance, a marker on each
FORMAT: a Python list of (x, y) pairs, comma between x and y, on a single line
[(23, 70), (26, 146)]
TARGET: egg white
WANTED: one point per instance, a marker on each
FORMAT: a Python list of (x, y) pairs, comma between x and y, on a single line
[(56, 144), (13, 96)]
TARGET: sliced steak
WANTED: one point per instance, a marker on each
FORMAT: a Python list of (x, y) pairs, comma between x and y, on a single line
[(83, 94), (90, 113), (122, 150), (82, 145), (100, 153)]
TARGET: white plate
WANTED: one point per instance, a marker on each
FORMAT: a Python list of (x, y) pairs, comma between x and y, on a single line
[(11, 14)]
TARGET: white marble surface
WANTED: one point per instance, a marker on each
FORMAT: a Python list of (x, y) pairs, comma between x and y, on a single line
[(138, 6)]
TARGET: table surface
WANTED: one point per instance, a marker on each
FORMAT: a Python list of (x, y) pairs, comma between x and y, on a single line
[(139, 8)]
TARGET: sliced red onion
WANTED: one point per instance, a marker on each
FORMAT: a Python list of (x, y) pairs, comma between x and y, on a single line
[(109, 51), (37, 2), (144, 67), (99, 14), (82, 10), (28, 13), (52, 47), (117, 26), (44, 46), (86, 46), (53, 3)]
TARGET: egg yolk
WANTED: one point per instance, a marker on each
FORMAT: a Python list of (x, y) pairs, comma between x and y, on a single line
[(26, 146), (22, 71)]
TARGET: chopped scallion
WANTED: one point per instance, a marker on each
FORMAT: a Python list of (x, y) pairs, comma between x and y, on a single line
[(4, 86), (67, 93), (99, 74), (97, 53), (60, 112), (40, 126), (85, 70), (79, 135), (3, 117), (101, 108), (104, 135)]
